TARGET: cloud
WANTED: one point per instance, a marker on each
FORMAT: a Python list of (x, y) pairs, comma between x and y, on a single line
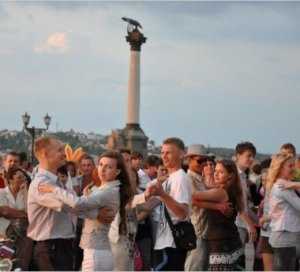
[(55, 43), (3, 12), (214, 67)]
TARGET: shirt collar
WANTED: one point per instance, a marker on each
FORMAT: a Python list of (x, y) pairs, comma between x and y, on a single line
[(10, 195), (111, 184), (195, 175), (7, 190), (176, 172), (242, 173), (49, 174)]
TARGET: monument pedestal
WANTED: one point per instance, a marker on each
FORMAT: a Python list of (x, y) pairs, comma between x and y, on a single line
[(132, 136), (135, 138)]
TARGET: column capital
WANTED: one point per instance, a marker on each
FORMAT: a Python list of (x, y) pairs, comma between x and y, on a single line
[(135, 39)]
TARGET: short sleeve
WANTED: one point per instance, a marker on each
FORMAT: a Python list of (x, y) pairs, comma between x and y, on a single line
[(181, 189)]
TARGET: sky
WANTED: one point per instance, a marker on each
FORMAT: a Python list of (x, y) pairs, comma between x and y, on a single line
[(215, 73)]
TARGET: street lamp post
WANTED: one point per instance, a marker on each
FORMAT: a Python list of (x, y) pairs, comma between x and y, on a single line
[(33, 131)]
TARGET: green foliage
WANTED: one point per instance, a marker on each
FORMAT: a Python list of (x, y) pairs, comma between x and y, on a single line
[(20, 141)]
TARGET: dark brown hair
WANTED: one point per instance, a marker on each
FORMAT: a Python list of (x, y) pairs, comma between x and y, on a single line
[(290, 147), (13, 154), (63, 170), (136, 155), (87, 157), (245, 146), (152, 160), (126, 192), (11, 173), (233, 187), (125, 151)]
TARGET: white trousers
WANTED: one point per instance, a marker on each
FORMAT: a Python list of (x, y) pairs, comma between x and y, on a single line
[(123, 259), (97, 260)]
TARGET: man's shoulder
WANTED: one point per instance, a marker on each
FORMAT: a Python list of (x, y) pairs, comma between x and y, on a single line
[(197, 183), (180, 173), (41, 176), (277, 191), (180, 180), (192, 177), (179, 176)]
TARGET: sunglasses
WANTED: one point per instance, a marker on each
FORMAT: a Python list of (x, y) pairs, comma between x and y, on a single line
[(208, 161), (201, 160)]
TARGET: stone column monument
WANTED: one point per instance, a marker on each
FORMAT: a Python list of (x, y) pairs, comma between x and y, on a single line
[(132, 136)]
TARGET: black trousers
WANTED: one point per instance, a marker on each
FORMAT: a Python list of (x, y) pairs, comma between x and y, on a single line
[(24, 250), (284, 259), (77, 251), (169, 259), (55, 254)]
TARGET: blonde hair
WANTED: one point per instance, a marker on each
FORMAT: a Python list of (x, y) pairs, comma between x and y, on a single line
[(42, 143), (276, 164)]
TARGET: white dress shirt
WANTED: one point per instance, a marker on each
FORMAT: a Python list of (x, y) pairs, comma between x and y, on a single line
[(48, 217), (7, 199)]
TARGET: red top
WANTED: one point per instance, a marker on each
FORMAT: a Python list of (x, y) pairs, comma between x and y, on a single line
[(2, 183)]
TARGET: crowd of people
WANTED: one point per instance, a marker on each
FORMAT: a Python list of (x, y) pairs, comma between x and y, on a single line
[(182, 210)]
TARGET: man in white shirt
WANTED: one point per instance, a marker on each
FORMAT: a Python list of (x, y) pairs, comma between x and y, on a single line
[(175, 194), (50, 224)]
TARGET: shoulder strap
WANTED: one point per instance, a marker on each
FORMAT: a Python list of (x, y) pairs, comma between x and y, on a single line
[(171, 225), (169, 220)]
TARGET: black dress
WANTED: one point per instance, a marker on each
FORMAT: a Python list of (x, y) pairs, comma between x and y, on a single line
[(225, 248)]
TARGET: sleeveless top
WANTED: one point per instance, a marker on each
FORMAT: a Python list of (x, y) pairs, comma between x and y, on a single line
[(221, 227)]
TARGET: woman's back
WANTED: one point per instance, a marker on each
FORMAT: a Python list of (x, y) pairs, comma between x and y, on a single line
[(95, 234)]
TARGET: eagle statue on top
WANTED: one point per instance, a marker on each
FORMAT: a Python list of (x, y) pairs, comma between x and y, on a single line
[(132, 24)]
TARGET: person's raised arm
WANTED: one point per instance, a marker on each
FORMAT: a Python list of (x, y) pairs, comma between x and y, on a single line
[(92, 201), (54, 197), (142, 198), (223, 207), (181, 210), (212, 195), (292, 198), (290, 185), (11, 213)]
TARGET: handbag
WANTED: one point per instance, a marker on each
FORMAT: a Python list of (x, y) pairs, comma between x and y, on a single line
[(138, 260), (183, 233)]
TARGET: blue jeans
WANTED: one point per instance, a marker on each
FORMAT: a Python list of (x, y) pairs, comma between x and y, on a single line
[(197, 259), (169, 259)]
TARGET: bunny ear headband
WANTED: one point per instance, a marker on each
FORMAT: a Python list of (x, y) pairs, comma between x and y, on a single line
[(75, 155)]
